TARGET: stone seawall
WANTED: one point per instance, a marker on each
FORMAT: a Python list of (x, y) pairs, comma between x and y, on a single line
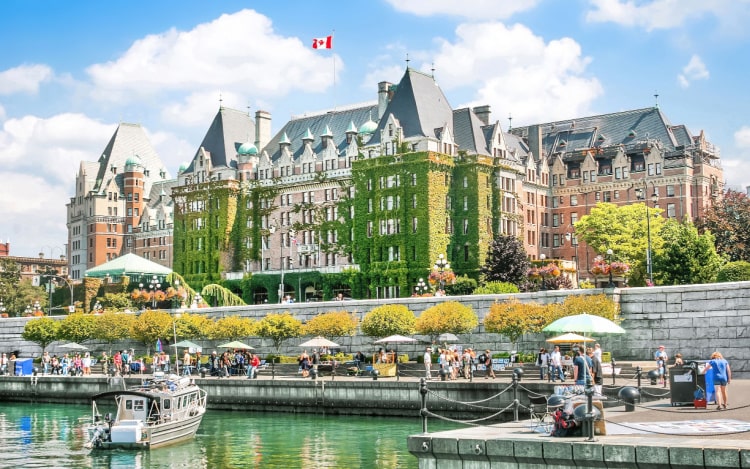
[(693, 319)]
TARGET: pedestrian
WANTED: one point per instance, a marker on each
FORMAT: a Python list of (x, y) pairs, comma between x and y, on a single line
[(722, 377), (660, 356), (4, 364), (428, 362), (581, 372), (187, 362), (46, 362), (254, 364), (596, 371), (598, 352), (542, 361), (678, 361), (557, 370), (486, 360)]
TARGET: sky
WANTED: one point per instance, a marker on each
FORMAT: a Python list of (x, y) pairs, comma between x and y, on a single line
[(71, 71)]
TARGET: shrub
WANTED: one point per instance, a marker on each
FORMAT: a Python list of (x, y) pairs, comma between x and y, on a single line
[(598, 305), (450, 316), (737, 271), (496, 288), (388, 320)]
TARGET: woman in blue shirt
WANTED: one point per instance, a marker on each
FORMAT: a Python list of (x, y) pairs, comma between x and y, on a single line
[(722, 377)]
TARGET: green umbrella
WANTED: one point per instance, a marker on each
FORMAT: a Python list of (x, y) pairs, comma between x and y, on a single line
[(236, 344), (584, 324)]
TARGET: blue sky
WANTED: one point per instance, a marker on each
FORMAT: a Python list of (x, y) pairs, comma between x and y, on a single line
[(71, 71)]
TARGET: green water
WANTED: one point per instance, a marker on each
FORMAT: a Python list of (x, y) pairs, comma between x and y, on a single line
[(51, 436)]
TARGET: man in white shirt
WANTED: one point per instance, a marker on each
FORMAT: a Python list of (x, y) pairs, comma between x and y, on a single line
[(428, 362), (557, 370)]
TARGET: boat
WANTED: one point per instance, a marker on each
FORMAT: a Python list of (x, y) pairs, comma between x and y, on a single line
[(160, 411)]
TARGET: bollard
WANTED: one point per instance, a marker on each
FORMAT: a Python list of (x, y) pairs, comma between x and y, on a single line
[(518, 373), (423, 412), (629, 395), (516, 402), (638, 375), (313, 374), (443, 374), (612, 360), (203, 372), (375, 374), (653, 376)]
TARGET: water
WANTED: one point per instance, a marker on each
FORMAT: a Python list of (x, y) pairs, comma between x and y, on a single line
[(52, 436)]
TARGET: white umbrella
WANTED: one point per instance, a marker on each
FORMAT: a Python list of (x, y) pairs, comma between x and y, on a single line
[(74, 346), (584, 324), (318, 341), (236, 344), (569, 338), (447, 337), (395, 339)]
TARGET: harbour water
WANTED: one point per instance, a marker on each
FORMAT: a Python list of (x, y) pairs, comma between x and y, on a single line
[(52, 436)]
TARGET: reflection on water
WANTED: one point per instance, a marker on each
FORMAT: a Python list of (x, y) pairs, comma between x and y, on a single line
[(46, 435)]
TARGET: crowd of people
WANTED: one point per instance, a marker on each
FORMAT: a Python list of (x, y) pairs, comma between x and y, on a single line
[(458, 363)]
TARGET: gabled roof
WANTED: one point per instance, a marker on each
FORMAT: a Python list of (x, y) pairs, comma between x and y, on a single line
[(336, 121), (127, 264), (228, 131), (128, 140), (467, 129), (419, 104)]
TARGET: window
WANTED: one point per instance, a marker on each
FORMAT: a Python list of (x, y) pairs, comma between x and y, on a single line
[(573, 218), (556, 241), (414, 225), (585, 176), (555, 203), (573, 200), (554, 179), (650, 169), (593, 176), (555, 219), (670, 211), (617, 195), (413, 179), (414, 201), (466, 181), (466, 226), (466, 203), (670, 191), (658, 168), (607, 196)]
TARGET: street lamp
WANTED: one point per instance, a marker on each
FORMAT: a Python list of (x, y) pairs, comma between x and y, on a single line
[(542, 258), (154, 286), (441, 265), (97, 308), (421, 288), (174, 334), (609, 259), (71, 308), (292, 234), (37, 306), (574, 241), (641, 195)]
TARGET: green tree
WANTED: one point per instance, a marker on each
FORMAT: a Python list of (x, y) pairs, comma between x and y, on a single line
[(42, 331), (687, 256), (194, 326), (738, 271), (10, 277), (450, 316), (77, 327), (112, 327), (332, 324), (220, 296), (115, 302), (388, 320), (513, 319), (278, 328), (624, 230), (232, 328), (597, 305), (507, 261), (150, 326), (728, 218)]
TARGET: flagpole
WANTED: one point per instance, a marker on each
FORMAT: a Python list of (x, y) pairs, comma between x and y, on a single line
[(333, 57)]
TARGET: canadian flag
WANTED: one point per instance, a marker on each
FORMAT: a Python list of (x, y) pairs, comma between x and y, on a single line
[(323, 42)]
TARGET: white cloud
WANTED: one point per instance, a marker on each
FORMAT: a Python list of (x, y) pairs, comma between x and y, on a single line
[(24, 79), (663, 14), (516, 72), (237, 53), (472, 9), (694, 70), (742, 137), (198, 108)]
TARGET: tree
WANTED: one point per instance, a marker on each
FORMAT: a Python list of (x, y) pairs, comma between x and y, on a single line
[(332, 324), (10, 276), (194, 326), (278, 328), (232, 328), (112, 327), (462, 285), (506, 261), (597, 305), (220, 296), (115, 302), (687, 257), (728, 219), (388, 320), (513, 319), (738, 271), (496, 288), (42, 331), (77, 327), (450, 316), (149, 326), (623, 229)]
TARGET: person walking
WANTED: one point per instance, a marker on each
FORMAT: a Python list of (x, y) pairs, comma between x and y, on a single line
[(722, 377), (542, 361), (428, 362), (486, 360), (596, 371), (661, 362), (557, 370)]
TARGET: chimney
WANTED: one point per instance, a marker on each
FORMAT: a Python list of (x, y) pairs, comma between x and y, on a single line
[(384, 97), (483, 113), (535, 141), (262, 129)]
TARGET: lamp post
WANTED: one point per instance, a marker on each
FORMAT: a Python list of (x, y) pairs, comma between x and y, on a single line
[(641, 195), (174, 335), (574, 241), (37, 306), (441, 265), (97, 308), (71, 308), (154, 286), (609, 260), (421, 288), (28, 310)]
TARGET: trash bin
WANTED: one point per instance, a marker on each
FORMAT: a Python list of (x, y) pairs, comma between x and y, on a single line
[(25, 367), (683, 382)]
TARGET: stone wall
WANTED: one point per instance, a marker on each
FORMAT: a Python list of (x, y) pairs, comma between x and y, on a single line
[(694, 320)]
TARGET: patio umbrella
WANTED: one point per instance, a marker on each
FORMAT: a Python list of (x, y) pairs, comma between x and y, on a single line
[(236, 344), (569, 337), (447, 337), (584, 324), (395, 339), (187, 344), (317, 342), (74, 346)]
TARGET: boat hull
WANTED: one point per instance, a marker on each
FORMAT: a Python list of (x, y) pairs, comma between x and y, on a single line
[(159, 435)]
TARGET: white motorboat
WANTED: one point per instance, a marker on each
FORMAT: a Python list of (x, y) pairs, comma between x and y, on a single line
[(159, 412)]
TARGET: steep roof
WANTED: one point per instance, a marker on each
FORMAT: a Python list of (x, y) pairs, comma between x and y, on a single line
[(227, 132), (420, 106), (335, 121), (468, 133), (128, 140)]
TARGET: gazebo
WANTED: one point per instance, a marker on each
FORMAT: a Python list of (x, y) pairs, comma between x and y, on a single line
[(131, 265)]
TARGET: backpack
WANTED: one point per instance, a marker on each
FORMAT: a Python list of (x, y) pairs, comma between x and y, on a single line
[(482, 359), (565, 424)]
